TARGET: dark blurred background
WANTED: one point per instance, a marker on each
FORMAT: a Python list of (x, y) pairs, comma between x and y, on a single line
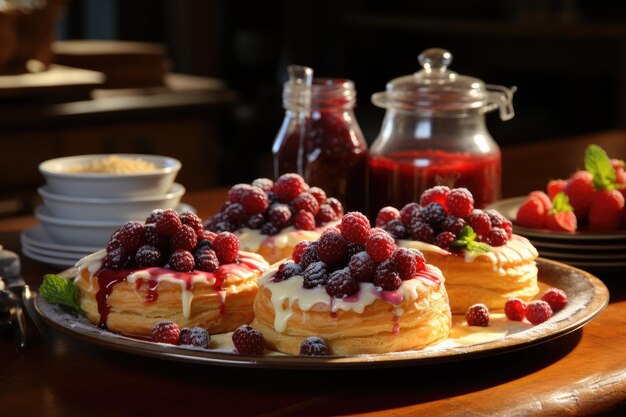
[(567, 58)]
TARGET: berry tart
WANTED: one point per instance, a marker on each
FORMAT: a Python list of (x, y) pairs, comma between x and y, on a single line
[(270, 218), (354, 289), (169, 268), (481, 258)]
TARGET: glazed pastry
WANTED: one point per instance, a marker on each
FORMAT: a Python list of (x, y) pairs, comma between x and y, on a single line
[(169, 270), (365, 297), (482, 260), (271, 218)]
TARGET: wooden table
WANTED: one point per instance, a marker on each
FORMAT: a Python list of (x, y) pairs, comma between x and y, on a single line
[(582, 373)]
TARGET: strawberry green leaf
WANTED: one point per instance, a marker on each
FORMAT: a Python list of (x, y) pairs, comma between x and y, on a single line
[(560, 203), (598, 163)]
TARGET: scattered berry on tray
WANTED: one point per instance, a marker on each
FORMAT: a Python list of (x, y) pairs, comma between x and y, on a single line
[(477, 315), (556, 298), (196, 336), (538, 311), (313, 346), (248, 341), (166, 332), (515, 309)]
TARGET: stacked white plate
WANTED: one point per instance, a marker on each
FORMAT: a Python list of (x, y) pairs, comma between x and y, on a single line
[(592, 251), (81, 211)]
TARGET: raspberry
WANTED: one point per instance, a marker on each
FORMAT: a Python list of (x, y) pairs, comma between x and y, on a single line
[(420, 261), (206, 237), (264, 184), (168, 223), (116, 259), (289, 186), (480, 222), (543, 197), (341, 284), (206, 259), (453, 225), (386, 214), (131, 236), (324, 215), (248, 341), (185, 238), (114, 243), (269, 229), (460, 202), (380, 246), (355, 227), (192, 220), (437, 194), (279, 215), (477, 315), (315, 275), (148, 256), (606, 210), (304, 220), (255, 221), (387, 277), (396, 229), (562, 221), (336, 206), (515, 309), (508, 228), (196, 336), (556, 298), (409, 212), (254, 200), (554, 187), (236, 192), (313, 346), (418, 230), (182, 261), (538, 311), (433, 214), (531, 214), (166, 332), (235, 213), (332, 249), (445, 239), (226, 247), (153, 216), (580, 191), (496, 237), (406, 264), (332, 229), (298, 250), (362, 267), (309, 255), (306, 202), (319, 194)]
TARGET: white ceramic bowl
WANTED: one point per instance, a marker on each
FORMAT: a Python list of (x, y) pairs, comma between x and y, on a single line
[(77, 232), (101, 185), (105, 209)]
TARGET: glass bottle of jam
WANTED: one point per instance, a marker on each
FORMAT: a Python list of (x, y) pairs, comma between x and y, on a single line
[(320, 138), (434, 133)]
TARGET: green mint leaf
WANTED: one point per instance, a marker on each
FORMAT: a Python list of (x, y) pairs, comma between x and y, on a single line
[(59, 290), (560, 203), (467, 240), (467, 233), (598, 163), (459, 244), (478, 247)]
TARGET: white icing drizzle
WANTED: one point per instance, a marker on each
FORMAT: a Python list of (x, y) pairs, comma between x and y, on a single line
[(251, 240), (422, 246)]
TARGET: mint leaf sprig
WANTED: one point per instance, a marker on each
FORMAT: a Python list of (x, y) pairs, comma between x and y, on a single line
[(60, 290), (560, 203), (599, 164), (467, 240)]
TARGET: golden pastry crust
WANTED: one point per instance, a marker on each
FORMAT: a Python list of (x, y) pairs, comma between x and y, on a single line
[(491, 278), (413, 317), (138, 301)]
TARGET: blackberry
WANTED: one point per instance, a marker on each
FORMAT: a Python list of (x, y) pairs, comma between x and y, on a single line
[(279, 215), (315, 275), (453, 225), (419, 230), (196, 336), (410, 212), (116, 259), (313, 346), (248, 341), (148, 256), (206, 259), (182, 261), (386, 276), (433, 214), (444, 240), (362, 267), (309, 256), (235, 213), (269, 229), (341, 284), (255, 221), (396, 229)]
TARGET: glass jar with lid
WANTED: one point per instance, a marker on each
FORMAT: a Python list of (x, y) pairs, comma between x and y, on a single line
[(320, 138), (434, 133)]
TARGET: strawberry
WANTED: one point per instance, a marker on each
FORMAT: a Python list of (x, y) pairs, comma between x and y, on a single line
[(606, 211), (532, 213), (543, 197), (561, 217), (580, 191), (555, 186)]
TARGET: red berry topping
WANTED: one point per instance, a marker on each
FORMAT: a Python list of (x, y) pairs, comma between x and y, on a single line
[(418, 230), (445, 239), (206, 259), (336, 206), (309, 255), (477, 315), (306, 202), (226, 247), (480, 222), (254, 200), (386, 214), (236, 192), (153, 216), (355, 227), (289, 186), (406, 262), (453, 225), (182, 261), (460, 202), (531, 214), (515, 309), (496, 237), (313, 346), (304, 220), (166, 332), (168, 223), (264, 184), (325, 214), (362, 267), (556, 298), (606, 210), (131, 235), (332, 248), (148, 256), (280, 215), (437, 194), (192, 220), (538, 311), (196, 336), (409, 212), (380, 246), (298, 250), (185, 238), (554, 187), (235, 213), (319, 194), (508, 228), (341, 284), (118, 258), (387, 277), (396, 229), (248, 341), (315, 275), (543, 197)]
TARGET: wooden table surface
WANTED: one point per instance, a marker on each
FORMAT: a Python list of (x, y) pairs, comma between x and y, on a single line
[(583, 373)]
